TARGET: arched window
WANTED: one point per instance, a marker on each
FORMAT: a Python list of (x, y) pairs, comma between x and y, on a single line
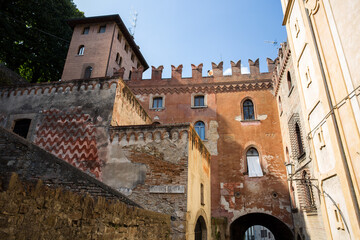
[(299, 140), (253, 163), (248, 110), (88, 71), (200, 129), (81, 50), (289, 80)]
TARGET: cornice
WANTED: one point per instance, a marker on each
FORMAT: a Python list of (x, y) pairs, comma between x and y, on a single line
[(205, 88)]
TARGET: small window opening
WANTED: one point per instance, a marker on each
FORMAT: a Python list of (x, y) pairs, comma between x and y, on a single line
[(200, 129), (130, 75), (86, 30), (199, 101), (157, 102), (102, 29), (81, 50), (289, 80), (202, 194), (132, 57), (248, 110), (119, 37), (126, 48), (21, 127), (299, 140)]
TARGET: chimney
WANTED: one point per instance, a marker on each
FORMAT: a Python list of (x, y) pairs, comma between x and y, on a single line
[(217, 69), (197, 70), (156, 72)]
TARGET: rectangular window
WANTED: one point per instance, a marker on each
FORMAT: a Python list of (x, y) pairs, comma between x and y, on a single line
[(126, 48), (102, 29), (202, 194), (132, 57), (86, 30), (157, 102), (199, 101), (119, 37)]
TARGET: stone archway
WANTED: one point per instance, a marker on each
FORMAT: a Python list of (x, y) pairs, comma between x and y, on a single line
[(200, 229), (279, 229)]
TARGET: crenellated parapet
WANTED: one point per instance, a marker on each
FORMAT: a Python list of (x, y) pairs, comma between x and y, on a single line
[(58, 87), (156, 134), (215, 82)]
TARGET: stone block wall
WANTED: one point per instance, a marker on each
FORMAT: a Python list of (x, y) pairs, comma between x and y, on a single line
[(30, 211)]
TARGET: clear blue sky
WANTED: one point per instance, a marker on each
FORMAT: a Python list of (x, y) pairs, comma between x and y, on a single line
[(174, 32)]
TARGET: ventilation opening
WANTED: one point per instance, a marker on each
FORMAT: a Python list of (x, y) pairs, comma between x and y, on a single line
[(21, 127)]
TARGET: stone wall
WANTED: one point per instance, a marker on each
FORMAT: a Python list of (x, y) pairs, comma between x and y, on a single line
[(38, 212), (70, 119)]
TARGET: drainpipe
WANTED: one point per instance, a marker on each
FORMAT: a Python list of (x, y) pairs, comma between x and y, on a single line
[(337, 131)]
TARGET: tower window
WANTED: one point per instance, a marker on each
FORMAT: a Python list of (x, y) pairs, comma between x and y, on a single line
[(102, 29), (86, 30), (126, 48), (157, 102), (202, 199), (88, 71), (21, 127), (199, 101), (130, 75), (200, 129), (248, 110), (253, 163), (118, 59), (81, 50), (289, 80), (119, 37), (132, 57)]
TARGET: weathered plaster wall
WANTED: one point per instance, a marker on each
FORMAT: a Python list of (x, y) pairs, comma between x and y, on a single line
[(307, 222), (150, 165), (198, 174), (71, 119)]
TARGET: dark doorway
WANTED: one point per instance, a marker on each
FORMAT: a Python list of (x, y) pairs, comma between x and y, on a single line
[(21, 127), (279, 229), (200, 229)]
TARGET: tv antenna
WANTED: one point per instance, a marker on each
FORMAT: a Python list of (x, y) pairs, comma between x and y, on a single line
[(133, 23), (274, 43)]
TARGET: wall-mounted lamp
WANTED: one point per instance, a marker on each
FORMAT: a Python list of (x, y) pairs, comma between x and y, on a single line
[(289, 168)]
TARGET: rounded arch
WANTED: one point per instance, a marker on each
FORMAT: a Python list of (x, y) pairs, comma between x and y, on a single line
[(81, 50), (244, 156), (246, 105), (278, 228), (200, 129)]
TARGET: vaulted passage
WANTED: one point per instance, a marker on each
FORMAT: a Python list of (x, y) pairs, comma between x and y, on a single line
[(279, 229)]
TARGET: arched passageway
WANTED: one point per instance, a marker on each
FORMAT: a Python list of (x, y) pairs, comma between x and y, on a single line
[(277, 227), (200, 229)]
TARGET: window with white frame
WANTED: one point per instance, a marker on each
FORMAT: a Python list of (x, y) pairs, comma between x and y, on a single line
[(253, 163)]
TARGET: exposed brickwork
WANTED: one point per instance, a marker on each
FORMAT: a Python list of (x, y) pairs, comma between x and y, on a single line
[(38, 212), (295, 151)]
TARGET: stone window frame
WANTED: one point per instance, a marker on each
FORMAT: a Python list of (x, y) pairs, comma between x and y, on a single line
[(260, 159), (202, 194), (151, 99), (295, 151), (242, 109), (193, 95)]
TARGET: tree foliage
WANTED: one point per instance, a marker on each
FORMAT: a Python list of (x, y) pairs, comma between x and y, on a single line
[(34, 37)]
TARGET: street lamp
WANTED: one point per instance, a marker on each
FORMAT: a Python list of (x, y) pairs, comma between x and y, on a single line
[(289, 168)]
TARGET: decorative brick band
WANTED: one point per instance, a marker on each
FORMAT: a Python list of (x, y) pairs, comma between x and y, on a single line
[(205, 88)]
